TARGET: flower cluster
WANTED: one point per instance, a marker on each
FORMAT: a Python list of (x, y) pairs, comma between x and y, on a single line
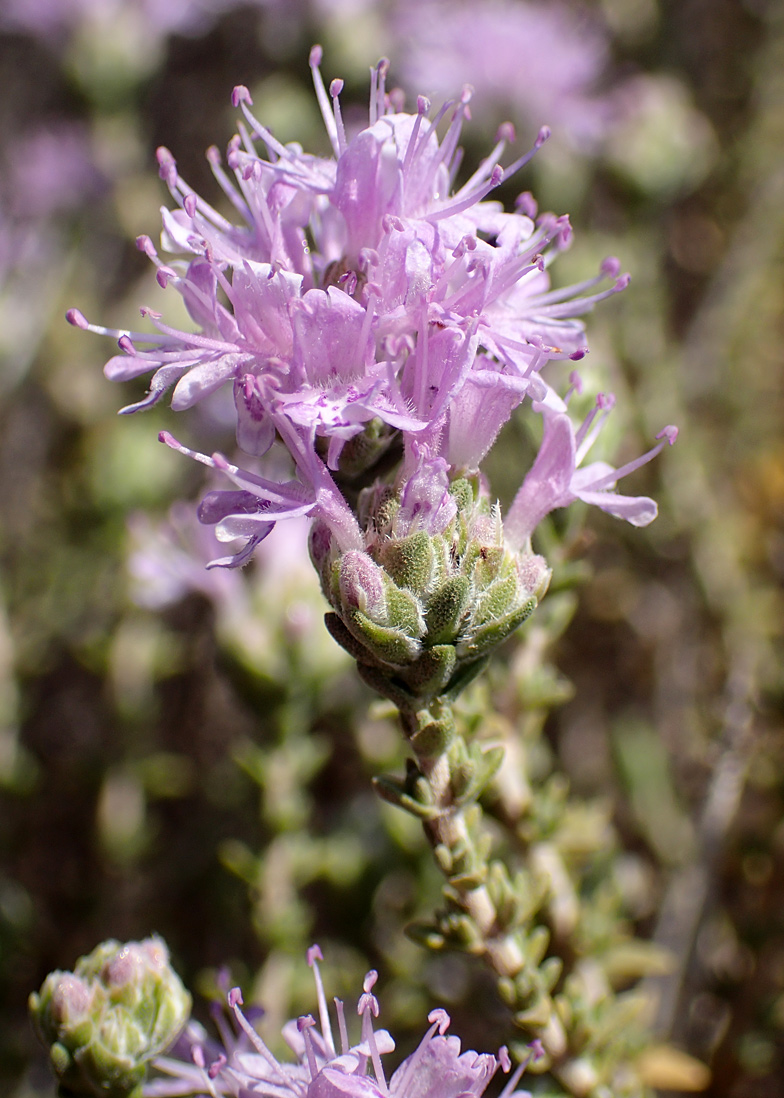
[(365, 308), (102, 1023), (326, 1067)]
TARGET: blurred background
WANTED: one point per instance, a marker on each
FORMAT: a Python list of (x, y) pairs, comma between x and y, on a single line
[(187, 752)]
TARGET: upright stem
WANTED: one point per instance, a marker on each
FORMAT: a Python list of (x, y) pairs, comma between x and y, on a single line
[(510, 914), (447, 829)]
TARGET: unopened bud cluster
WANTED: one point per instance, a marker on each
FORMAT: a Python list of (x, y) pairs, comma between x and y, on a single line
[(122, 1005), (421, 611)]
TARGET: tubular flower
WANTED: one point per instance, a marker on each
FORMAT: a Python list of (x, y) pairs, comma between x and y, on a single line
[(558, 478), (361, 298), (327, 1065)]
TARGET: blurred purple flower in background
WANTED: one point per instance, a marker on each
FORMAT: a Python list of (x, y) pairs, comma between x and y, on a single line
[(47, 174), (533, 62), (55, 20)]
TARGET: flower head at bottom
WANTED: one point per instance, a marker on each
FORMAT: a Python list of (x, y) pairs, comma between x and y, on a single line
[(327, 1064)]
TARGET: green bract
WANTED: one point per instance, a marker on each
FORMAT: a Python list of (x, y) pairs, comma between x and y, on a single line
[(420, 612), (122, 1005)]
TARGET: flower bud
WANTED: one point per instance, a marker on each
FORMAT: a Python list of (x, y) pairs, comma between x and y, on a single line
[(362, 586), (122, 1005)]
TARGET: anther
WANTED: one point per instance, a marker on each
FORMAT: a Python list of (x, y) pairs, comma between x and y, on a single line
[(144, 244), (240, 94), (216, 1065), (78, 319), (439, 1017), (526, 203)]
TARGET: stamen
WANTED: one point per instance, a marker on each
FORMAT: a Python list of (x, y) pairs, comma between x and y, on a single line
[(449, 144), (368, 1009), (235, 1001), (144, 244), (314, 956), (219, 1021), (289, 505), (373, 102), (421, 361), (348, 282), (541, 137), (505, 134), (423, 106), (323, 101), (344, 1045), (180, 190), (78, 319), (197, 1055), (533, 348), (589, 430), (382, 68), (167, 166), (425, 137), (462, 201), (668, 435), (440, 1020), (536, 1050), (526, 203), (303, 1025), (192, 339), (364, 335), (231, 192), (609, 268), (335, 88), (578, 306), (265, 134), (575, 386), (216, 1065), (454, 167)]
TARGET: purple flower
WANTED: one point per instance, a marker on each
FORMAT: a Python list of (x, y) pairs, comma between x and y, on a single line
[(47, 173), (327, 1067), (50, 171), (360, 294), (558, 478)]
